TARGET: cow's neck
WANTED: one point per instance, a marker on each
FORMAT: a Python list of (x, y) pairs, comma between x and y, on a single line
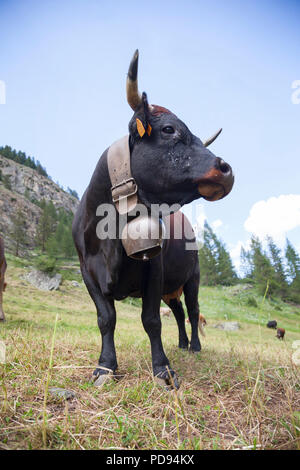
[(99, 191)]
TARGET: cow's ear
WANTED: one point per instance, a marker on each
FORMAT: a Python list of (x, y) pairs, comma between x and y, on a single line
[(145, 105), (139, 126)]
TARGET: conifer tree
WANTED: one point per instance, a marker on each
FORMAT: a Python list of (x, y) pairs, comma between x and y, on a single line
[(277, 263), (18, 232), (47, 224), (60, 243), (226, 273), (262, 270), (246, 263), (293, 272), (215, 262)]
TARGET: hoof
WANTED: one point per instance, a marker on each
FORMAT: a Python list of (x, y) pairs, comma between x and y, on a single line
[(167, 379), (103, 379), (101, 376), (195, 351), (195, 348), (184, 346)]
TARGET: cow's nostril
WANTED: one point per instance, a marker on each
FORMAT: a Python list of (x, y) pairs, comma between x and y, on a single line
[(224, 167)]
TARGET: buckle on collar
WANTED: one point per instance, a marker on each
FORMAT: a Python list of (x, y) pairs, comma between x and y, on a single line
[(123, 190)]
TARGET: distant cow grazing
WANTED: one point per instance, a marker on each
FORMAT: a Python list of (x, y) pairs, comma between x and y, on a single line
[(165, 311), (202, 322), (3, 266), (160, 163), (280, 333), (272, 324)]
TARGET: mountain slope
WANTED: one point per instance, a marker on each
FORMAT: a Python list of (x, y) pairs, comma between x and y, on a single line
[(23, 188)]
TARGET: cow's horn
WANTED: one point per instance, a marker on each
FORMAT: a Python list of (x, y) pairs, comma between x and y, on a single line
[(133, 96), (209, 141)]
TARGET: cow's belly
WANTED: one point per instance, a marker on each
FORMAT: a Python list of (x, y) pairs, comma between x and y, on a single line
[(178, 267)]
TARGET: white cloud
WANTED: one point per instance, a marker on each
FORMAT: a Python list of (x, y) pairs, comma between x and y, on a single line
[(275, 216), (216, 224)]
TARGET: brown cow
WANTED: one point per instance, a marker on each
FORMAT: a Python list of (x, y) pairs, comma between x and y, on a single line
[(201, 324), (3, 266), (280, 333), (165, 311)]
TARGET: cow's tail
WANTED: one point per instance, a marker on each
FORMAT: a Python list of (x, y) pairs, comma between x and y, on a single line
[(200, 326)]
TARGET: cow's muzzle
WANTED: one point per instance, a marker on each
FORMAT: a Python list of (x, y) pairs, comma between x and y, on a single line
[(217, 182)]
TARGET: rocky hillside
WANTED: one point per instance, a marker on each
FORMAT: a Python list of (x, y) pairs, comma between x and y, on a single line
[(23, 188)]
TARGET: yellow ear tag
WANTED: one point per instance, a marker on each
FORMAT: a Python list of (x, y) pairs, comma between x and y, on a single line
[(140, 127), (149, 129)]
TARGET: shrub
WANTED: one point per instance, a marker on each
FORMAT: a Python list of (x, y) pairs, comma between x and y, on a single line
[(46, 264), (277, 307), (252, 302)]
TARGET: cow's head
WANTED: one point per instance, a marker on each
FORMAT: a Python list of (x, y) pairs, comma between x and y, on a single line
[(168, 162)]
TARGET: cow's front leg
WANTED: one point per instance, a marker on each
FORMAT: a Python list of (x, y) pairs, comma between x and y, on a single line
[(106, 316), (152, 291)]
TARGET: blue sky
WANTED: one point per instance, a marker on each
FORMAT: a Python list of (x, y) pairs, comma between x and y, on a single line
[(213, 63)]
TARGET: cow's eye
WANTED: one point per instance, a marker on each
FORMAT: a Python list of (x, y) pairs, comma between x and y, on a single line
[(168, 130)]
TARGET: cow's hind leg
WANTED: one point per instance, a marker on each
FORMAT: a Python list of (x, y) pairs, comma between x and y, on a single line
[(191, 289), (177, 309), (106, 316)]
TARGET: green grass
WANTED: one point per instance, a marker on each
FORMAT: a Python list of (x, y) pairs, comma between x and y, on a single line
[(241, 391)]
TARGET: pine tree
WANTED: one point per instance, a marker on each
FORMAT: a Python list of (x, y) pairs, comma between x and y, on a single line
[(263, 272), (60, 243), (226, 273), (293, 272), (18, 233), (208, 271), (21, 157), (207, 258), (246, 263), (73, 193), (277, 263), (47, 224), (215, 262)]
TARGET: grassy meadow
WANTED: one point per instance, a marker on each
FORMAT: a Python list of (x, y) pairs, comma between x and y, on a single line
[(241, 392)]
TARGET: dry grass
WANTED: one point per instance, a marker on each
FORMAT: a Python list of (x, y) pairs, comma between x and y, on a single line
[(241, 391)]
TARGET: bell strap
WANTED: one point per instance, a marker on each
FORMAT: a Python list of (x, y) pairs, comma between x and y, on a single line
[(124, 188)]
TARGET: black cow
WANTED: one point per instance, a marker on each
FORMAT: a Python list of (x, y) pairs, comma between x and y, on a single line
[(272, 324), (169, 165), (3, 266)]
